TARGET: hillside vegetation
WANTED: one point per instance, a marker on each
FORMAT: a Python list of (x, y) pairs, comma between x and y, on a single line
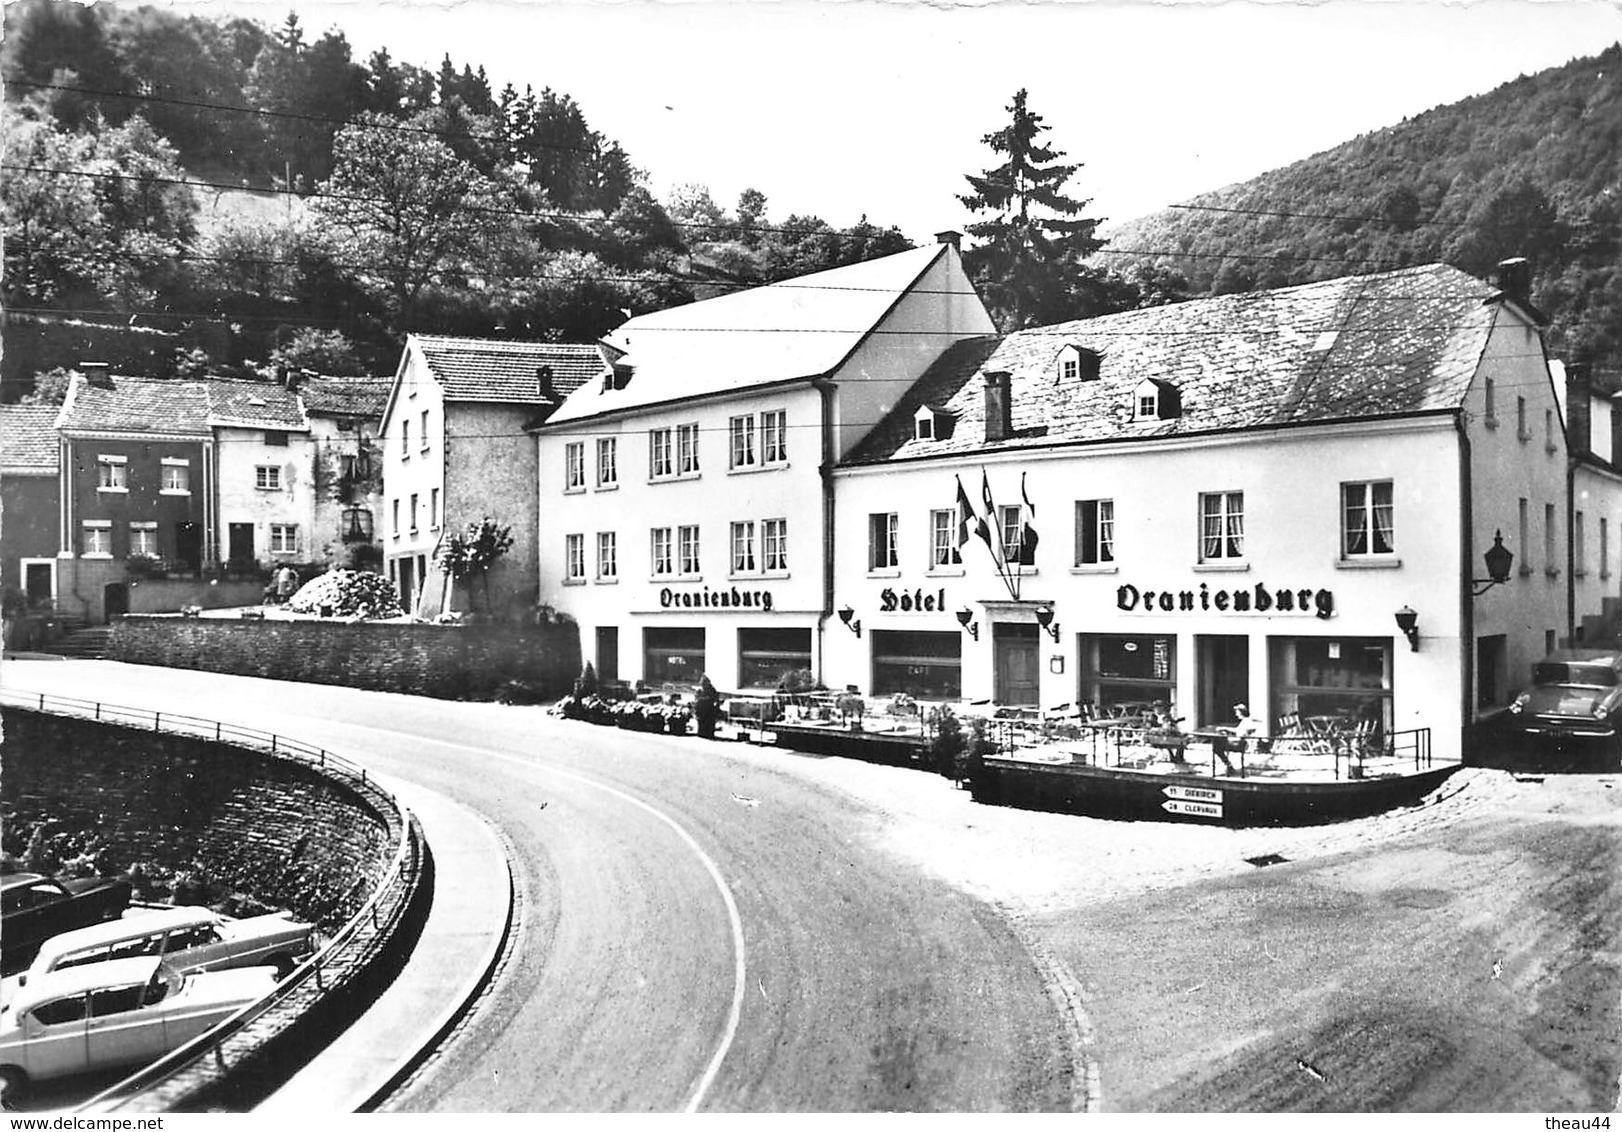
[(1532, 168)]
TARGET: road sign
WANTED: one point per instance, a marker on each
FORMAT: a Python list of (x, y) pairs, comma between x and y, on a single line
[(1193, 794), (1196, 809)]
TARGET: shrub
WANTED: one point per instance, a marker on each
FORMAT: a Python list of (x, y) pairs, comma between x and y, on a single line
[(947, 747), (347, 593)]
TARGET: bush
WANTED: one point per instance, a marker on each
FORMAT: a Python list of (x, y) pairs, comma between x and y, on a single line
[(347, 593)]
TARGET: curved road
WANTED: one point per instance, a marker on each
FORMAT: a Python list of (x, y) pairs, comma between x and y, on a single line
[(652, 873)]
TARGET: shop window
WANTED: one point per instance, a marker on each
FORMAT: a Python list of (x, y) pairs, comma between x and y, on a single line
[(1128, 672), (672, 656), (765, 656), (1222, 526), (1095, 532), (881, 541), (1366, 519), (923, 664), (1332, 683)]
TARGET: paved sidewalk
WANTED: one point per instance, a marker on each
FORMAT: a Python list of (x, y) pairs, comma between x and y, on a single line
[(459, 946)]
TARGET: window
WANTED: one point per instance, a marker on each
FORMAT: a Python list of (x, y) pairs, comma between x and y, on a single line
[(413, 512), (687, 450), (1520, 419), (267, 477), (924, 425), (659, 463), (1147, 406), (405, 439), (276, 439), (928, 664), (574, 466), (1010, 532), (60, 1011), (1366, 519), (176, 477), (1551, 566), (1491, 416), (765, 656), (1604, 548), (687, 550), (1069, 369), (743, 548), (394, 524), (742, 430), (607, 556), (774, 544), (1222, 526), (1548, 431), (943, 539), (424, 429), (144, 539), (1095, 532), (608, 462), (774, 437), (663, 566), (98, 538), (112, 473), (433, 508), (881, 541), (574, 558), (1524, 546), (1128, 669), (283, 538)]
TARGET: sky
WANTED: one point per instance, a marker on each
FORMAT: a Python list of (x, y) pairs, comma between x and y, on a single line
[(849, 107)]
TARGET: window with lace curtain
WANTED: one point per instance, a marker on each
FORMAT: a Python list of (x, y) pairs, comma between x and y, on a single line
[(1222, 526), (1366, 519)]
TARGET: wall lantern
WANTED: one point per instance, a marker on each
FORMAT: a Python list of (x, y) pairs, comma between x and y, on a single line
[(845, 615), (1499, 560), (1408, 622), (1044, 621), (965, 618)]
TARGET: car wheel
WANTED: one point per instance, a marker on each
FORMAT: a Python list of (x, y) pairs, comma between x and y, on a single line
[(283, 966), (13, 1083)]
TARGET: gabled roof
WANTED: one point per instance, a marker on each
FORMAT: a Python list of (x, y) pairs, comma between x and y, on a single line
[(1395, 344), (489, 369), (137, 405), (797, 329), (28, 439), (345, 396), (254, 404)]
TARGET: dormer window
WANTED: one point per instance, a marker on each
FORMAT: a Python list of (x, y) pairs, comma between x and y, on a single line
[(1077, 363), (1155, 400), (931, 422)]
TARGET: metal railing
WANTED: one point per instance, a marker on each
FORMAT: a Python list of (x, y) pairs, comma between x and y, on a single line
[(379, 913)]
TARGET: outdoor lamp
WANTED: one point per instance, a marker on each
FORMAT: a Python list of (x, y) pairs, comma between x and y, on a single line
[(965, 618), (1044, 621), (845, 615), (1499, 560), (1408, 622)]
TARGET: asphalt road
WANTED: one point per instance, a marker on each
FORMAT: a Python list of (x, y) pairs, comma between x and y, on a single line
[(698, 930)]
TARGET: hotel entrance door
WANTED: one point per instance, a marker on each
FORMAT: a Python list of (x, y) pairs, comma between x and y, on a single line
[(1015, 648)]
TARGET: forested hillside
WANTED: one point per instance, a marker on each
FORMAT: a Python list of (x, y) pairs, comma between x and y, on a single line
[(1533, 168), (387, 199)]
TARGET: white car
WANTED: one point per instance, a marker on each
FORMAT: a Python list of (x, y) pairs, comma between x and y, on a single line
[(188, 939), (124, 1012)]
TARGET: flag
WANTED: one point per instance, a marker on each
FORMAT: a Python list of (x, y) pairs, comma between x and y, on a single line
[(989, 530), (965, 514), (1027, 530)]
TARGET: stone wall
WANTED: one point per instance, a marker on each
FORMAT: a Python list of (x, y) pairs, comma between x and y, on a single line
[(444, 661), (268, 827)]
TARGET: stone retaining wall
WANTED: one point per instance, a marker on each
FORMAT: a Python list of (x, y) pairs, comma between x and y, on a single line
[(267, 827), (444, 661)]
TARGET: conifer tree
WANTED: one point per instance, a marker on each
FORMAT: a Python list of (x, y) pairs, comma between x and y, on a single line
[(1032, 244)]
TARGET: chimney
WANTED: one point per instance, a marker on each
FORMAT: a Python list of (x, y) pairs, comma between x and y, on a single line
[(950, 237), (1579, 426), (99, 374), (1515, 278), (543, 375), (999, 406)]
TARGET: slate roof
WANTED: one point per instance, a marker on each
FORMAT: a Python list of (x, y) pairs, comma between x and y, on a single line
[(254, 404), (28, 438), (488, 369), (798, 328), (1394, 344), (345, 396), (137, 405)]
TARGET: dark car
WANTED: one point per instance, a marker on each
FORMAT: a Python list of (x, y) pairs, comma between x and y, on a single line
[(1576, 696), (37, 907)]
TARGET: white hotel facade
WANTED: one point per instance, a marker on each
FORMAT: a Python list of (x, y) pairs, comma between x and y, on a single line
[(1233, 498)]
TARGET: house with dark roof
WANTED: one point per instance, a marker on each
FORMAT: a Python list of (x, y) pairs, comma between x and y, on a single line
[(1280, 500), (264, 475), (136, 486), (29, 502), (344, 414), (455, 451), (685, 494)]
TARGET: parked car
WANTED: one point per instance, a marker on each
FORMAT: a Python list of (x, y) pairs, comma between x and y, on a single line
[(188, 939), (1576, 695), (34, 907), (125, 1012)]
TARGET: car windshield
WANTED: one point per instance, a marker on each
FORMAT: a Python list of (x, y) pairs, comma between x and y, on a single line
[(1565, 672)]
